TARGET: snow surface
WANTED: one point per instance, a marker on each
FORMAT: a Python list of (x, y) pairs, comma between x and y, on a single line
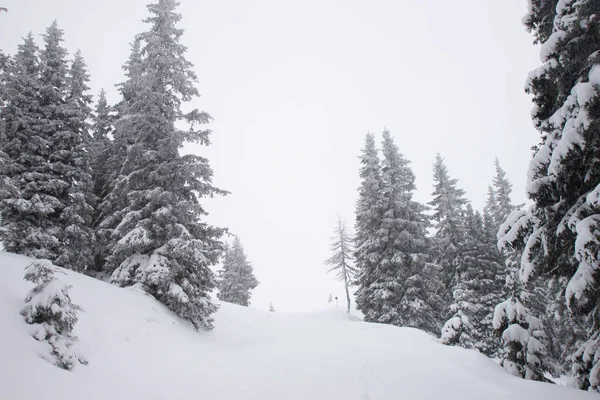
[(137, 349)]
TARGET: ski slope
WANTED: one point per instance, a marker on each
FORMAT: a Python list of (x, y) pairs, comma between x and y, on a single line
[(138, 350)]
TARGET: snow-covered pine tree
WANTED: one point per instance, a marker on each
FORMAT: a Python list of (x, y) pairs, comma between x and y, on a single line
[(368, 246), (490, 210), (103, 165), (271, 308), (422, 303), (330, 298), (49, 308), (477, 290), (77, 239), (157, 237), (236, 279), (101, 145), (400, 238), (448, 208), (110, 209), (559, 234), (341, 261), (502, 189), (29, 207)]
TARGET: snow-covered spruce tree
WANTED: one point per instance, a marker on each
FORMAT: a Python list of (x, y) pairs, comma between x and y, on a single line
[(236, 279), (448, 208), (76, 144), (101, 145), (502, 189), (400, 240), (110, 208), (157, 238), (103, 165), (49, 308), (29, 206), (368, 246), (271, 308), (477, 290), (422, 303), (341, 261), (559, 235), (524, 339)]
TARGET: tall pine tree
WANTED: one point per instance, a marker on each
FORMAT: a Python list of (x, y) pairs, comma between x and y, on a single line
[(77, 238), (157, 236), (448, 208), (368, 246)]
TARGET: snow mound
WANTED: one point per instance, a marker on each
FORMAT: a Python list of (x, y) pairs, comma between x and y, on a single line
[(137, 349)]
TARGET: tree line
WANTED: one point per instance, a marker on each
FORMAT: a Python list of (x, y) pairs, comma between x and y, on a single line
[(103, 189)]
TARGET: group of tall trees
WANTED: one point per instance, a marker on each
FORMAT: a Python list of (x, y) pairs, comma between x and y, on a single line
[(535, 303), (454, 282), (108, 190)]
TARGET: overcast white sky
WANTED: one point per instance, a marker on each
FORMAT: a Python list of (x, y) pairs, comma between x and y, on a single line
[(295, 85)]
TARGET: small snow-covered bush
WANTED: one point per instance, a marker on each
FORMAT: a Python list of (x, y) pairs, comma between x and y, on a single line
[(523, 337), (49, 309)]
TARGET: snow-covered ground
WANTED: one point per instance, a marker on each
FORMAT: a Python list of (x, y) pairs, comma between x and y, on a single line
[(138, 350)]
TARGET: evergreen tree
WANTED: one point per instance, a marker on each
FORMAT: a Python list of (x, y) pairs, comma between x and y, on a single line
[(101, 145), (397, 233), (104, 166), (558, 235), (49, 307), (341, 261), (271, 308), (422, 303), (490, 210), (236, 279), (156, 237), (110, 210), (368, 246), (502, 191), (476, 291), (76, 248), (448, 207)]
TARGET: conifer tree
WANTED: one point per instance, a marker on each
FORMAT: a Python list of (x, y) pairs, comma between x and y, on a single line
[(77, 238), (341, 261), (423, 303), (109, 211), (448, 207), (558, 235), (368, 246), (502, 190), (101, 145), (400, 239), (156, 235), (236, 279), (271, 308), (477, 290)]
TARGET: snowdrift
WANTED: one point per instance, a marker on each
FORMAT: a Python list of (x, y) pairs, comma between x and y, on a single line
[(137, 349)]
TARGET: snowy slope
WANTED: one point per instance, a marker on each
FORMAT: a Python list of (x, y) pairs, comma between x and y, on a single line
[(139, 350)]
